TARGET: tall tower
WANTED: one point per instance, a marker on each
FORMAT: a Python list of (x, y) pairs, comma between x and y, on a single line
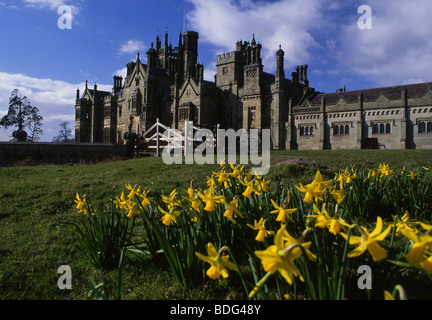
[(252, 87), (190, 52), (279, 106)]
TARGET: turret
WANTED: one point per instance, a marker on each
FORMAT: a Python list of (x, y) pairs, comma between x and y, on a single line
[(118, 84), (152, 57), (280, 73), (190, 52)]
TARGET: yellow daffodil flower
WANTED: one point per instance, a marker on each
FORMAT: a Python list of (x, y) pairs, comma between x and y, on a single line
[(412, 175), (133, 209), (369, 241), (282, 212), (422, 246), (262, 185), (222, 176), (425, 226), (250, 188), (82, 205), (219, 263), (193, 198), (211, 183), (262, 232), (236, 171), (172, 200), (315, 189), (388, 296), (128, 204), (384, 170), (403, 223), (169, 216), (210, 200), (346, 176), (323, 220), (280, 258), (339, 195), (133, 191), (232, 210), (146, 200)]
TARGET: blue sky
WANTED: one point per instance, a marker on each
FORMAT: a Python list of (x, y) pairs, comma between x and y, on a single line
[(48, 64)]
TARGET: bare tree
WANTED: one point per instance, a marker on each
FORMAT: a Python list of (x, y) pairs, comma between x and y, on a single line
[(65, 134)]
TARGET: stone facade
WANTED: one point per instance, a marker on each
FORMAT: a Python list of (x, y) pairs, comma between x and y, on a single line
[(171, 87), (399, 117)]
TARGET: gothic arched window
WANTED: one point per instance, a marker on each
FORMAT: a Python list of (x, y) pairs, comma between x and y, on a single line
[(388, 128), (422, 127)]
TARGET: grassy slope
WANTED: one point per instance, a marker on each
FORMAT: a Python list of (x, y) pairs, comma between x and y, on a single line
[(35, 200)]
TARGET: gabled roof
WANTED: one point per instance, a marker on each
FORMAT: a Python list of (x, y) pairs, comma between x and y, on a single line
[(99, 94), (369, 95)]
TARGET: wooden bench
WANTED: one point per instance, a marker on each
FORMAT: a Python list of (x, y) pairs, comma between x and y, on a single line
[(372, 143)]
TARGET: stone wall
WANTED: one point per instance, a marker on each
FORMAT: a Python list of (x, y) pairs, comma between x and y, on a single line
[(58, 153)]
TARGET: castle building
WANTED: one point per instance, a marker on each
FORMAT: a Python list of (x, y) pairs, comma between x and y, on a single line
[(398, 117), (171, 87)]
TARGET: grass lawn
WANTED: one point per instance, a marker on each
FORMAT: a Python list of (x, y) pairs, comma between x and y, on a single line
[(35, 201)]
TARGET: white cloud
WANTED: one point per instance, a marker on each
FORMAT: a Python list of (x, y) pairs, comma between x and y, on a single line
[(397, 48), (396, 51), (4, 5), (55, 99), (121, 72), (54, 4), (132, 47), (287, 22)]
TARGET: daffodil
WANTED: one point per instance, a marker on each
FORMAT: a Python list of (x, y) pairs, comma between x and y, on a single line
[(219, 263), (82, 205), (421, 247), (146, 200), (262, 185), (171, 200), (315, 189), (388, 296), (211, 183), (193, 198), (339, 195), (236, 171), (425, 226), (369, 241), (169, 216), (346, 176), (125, 203), (222, 176), (404, 223), (132, 209), (412, 175), (372, 173), (232, 210), (282, 212), (250, 188), (281, 258), (323, 220), (133, 191), (262, 232), (210, 199), (384, 170)]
